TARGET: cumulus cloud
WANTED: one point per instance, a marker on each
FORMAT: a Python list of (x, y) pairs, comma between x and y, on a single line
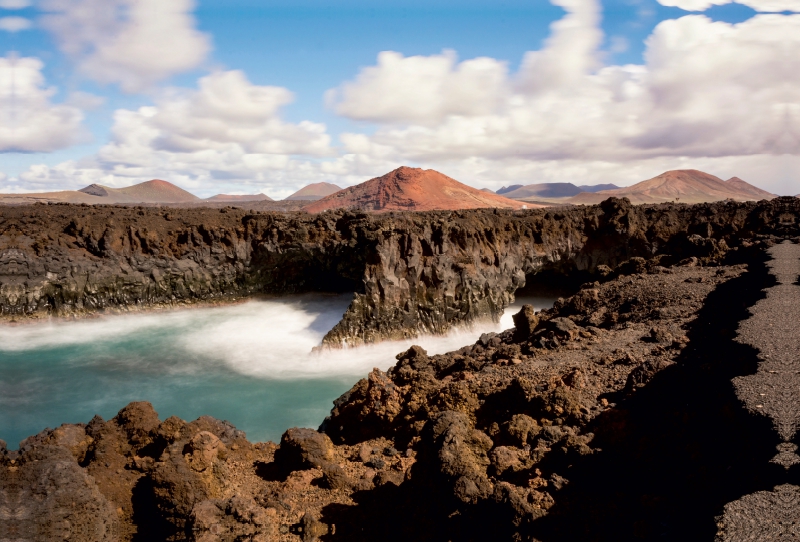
[(226, 131), (29, 122), (422, 89), (769, 6), (15, 24), (709, 95), (706, 90), (15, 4), (133, 43)]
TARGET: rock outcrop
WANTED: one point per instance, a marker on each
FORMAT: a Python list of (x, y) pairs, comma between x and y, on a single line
[(411, 272), (610, 416)]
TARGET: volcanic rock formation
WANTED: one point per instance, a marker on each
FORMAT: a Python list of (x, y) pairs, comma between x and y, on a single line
[(684, 185), (412, 189), (410, 272), (609, 417)]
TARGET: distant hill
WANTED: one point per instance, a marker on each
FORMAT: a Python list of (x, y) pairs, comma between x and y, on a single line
[(150, 192), (155, 191), (238, 199), (506, 189), (597, 187), (551, 190), (747, 188), (314, 192), (412, 189), (683, 185)]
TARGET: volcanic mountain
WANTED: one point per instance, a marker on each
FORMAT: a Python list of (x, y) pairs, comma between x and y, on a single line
[(228, 198), (314, 192), (747, 188), (155, 191), (412, 189), (550, 190), (682, 185)]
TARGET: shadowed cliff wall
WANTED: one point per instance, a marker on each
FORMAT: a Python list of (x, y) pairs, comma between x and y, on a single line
[(411, 272)]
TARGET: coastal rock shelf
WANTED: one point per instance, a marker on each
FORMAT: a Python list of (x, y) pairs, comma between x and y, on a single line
[(410, 272)]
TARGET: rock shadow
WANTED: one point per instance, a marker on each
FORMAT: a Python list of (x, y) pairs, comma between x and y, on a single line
[(673, 453), (670, 455), (151, 526)]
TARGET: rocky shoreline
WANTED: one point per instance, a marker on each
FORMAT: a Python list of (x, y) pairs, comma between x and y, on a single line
[(411, 273), (609, 417)]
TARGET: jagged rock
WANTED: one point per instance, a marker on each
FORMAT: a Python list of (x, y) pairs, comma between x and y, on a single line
[(411, 273), (202, 450), (459, 454), (525, 322), (304, 449), (491, 451), (45, 495)]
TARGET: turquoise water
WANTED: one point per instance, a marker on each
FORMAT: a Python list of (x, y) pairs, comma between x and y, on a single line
[(250, 364)]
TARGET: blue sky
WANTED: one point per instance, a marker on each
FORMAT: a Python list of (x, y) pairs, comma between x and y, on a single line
[(307, 47)]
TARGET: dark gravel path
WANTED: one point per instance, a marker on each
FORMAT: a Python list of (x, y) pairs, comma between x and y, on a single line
[(774, 391)]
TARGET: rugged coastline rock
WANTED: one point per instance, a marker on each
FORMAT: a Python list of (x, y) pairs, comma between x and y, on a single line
[(411, 272), (610, 416)]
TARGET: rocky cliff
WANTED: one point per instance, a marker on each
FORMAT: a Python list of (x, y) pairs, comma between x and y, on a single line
[(411, 272)]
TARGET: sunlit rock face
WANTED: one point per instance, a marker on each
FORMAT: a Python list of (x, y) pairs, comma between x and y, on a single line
[(411, 272)]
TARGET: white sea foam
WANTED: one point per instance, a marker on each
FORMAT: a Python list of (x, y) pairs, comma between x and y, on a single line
[(270, 338)]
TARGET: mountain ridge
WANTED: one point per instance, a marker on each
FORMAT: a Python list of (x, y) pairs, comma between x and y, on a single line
[(682, 185)]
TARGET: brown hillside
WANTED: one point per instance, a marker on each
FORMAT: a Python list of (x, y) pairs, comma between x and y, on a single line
[(222, 198), (413, 189), (747, 188), (683, 185), (155, 191), (314, 192)]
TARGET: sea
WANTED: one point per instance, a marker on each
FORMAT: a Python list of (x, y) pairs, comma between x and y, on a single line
[(252, 364)]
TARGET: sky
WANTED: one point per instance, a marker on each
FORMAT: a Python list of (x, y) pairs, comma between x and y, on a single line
[(248, 96)]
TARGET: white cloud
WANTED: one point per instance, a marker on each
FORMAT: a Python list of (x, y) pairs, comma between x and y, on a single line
[(29, 122), (15, 4), (710, 95), (15, 24), (133, 43), (422, 89), (768, 6), (227, 131), (569, 53), (707, 90), (693, 5)]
